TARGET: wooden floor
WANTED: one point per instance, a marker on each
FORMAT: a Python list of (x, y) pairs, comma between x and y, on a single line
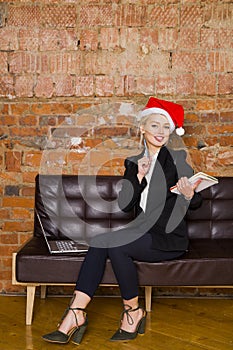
[(174, 324)]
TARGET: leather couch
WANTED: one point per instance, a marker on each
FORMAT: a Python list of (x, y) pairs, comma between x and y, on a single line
[(84, 206)]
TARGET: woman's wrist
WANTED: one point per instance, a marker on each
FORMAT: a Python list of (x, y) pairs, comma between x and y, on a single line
[(188, 198)]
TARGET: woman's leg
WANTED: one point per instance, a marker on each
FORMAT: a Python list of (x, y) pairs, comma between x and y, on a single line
[(122, 259), (90, 276)]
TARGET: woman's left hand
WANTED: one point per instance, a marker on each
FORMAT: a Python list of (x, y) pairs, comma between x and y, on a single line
[(185, 188)]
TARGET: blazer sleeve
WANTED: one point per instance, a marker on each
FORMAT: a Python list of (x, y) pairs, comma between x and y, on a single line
[(131, 189)]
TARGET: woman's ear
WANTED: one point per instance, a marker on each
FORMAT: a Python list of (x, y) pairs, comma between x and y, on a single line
[(142, 131)]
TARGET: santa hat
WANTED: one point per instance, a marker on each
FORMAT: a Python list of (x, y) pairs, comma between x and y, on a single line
[(172, 111)]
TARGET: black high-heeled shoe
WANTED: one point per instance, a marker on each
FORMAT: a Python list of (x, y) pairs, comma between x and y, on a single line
[(76, 333), (140, 327)]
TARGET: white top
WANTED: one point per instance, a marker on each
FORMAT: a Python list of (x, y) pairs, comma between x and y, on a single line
[(144, 193)]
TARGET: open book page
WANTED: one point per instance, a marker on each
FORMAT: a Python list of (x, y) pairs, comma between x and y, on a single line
[(204, 180)]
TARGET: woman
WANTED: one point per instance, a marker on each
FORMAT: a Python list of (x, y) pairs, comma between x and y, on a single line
[(158, 233)]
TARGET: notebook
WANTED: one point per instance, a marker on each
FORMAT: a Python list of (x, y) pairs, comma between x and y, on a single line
[(204, 181), (62, 245)]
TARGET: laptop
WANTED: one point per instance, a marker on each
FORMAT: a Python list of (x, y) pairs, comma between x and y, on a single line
[(63, 245)]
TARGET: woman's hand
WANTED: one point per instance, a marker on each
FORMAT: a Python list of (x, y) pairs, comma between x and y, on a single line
[(143, 167), (186, 188)]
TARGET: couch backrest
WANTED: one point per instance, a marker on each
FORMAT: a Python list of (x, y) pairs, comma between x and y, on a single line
[(80, 207)]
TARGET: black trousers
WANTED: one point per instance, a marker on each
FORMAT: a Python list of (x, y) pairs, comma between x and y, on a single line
[(122, 260)]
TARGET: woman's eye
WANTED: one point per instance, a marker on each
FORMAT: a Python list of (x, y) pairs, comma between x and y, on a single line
[(167, 127), (154, 125)]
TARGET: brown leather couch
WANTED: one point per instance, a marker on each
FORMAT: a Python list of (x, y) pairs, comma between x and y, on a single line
[(87, 205)]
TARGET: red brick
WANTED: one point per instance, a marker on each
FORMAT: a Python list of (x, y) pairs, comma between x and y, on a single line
[(166, 16), (13, 161), (226, 140), (4, 213), (205, 105), (209, 118), (19, 108), (18, 202), (28, 120), (129, 85), (168, 38), (149, 36), (29, 39), (222, 103), (55, 40), (111, 131), (26, 131), (209, 38), (8, 120), (92, 15), (7, 250), (84, 86), (20, 213), (15, 226), (22, 62), (220, 129), (226, 117), (11, 238), (109, 38), (185, 84), (206, 84), (28, 191), (225, 37), (189, 38), (8, 39), (24, 15), (29, 177), (99, 158), (104, 86), (44, 86), (64, 86), (214, 14), (129, 35), (89, 39), (24, 86), (225, 83), (191, 15), (3, 62), (32, 158), (220, 61), (4, 108), (59, 16), (165, 84), (194, 62), (145, 85)]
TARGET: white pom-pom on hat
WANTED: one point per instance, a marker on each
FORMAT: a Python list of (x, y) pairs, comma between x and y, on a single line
[(180, 131)]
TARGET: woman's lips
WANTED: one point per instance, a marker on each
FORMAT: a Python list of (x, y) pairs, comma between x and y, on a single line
[(159, 138)]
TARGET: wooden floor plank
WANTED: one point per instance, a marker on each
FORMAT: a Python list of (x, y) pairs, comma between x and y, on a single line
[(174, 324)]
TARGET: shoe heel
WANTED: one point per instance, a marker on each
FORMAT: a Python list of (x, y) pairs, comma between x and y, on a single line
[(78, 334), (142, 326)]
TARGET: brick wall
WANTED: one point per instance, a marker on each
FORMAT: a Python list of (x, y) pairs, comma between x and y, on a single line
[(59, 57)]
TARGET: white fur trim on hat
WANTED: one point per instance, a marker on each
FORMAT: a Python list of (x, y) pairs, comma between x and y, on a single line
[(156, 110)]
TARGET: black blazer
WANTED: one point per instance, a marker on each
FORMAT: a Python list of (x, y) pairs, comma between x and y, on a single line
[(165, 212)]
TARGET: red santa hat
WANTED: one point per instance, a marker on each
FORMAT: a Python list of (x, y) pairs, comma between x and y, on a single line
[(172, 111)]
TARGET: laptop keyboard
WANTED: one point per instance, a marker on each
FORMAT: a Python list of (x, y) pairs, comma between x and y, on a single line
[(65, 245)]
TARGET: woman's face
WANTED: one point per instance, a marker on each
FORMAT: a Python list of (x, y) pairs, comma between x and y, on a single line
[(156, 130)]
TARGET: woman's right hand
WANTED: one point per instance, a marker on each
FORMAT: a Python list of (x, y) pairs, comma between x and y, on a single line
[(143, 167)]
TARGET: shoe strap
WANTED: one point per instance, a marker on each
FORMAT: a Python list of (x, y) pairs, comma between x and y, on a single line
[(73, 309), (128, 316)]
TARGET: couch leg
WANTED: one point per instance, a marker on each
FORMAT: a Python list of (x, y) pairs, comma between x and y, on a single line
[(43, 290), (31, 290), (148, 295)]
